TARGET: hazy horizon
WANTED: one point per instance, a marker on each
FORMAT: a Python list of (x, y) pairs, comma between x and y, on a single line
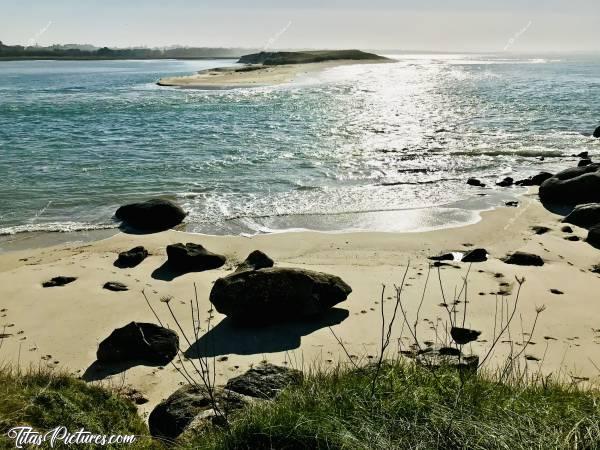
[(466, 26)]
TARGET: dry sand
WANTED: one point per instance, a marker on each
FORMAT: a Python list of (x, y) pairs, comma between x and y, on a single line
[(61, 327), (254, 75)]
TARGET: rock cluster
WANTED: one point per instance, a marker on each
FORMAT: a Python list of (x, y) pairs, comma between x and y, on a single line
[(193, 407)]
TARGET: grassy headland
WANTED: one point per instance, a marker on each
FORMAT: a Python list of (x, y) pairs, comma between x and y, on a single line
[(307, 57)]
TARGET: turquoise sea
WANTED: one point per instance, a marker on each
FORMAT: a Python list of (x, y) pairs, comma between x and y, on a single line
[(369, 147)]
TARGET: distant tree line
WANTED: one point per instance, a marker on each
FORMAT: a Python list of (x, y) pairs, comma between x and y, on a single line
[(83, 52)]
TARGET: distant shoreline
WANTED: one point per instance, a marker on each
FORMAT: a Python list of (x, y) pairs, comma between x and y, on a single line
[(99, 58)]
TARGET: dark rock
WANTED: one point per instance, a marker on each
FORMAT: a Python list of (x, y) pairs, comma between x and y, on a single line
[(535, 180), (538, 229), (583, 155), (512, 203), (115, 286), (443, 257), (255, 260), (58, 281), (131, 258), (463, 336), (566, 229), (585, 216), (572, 238), (595, 268), (593, 237), (475, 255), (264, 381), (508, 181), (151, 215), (171, 417), (556, 292), (445, 357), (193, 258), (475, 182), (277, 294), (573, 186), (597, 132), (524, 259), (584, 162), (139, 342)]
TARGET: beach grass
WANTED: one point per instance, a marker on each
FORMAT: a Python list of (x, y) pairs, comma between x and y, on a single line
[(411, 408), (45, 399), (415, 408)]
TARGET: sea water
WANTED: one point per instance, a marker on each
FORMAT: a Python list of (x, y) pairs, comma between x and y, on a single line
[(384, 147)]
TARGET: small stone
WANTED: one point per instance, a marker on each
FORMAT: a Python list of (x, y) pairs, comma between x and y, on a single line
[(58, 281), (475, 182), (538, 229), (115, 286), (463, 336), (523, 259)]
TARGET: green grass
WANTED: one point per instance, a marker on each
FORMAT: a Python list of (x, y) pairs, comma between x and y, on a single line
[(412, 408), (415, 409), (43, 400)]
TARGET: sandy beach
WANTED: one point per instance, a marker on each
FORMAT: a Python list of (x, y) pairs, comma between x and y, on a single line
[(253, 75), (61, 327)]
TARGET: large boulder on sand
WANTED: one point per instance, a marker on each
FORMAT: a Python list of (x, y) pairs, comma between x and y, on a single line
[(152, 215), (137, 341), (585, 216), (277, 294), (193, 258), (593, 237), (597, 132), (573, 186), (264, 381), (171, 417)]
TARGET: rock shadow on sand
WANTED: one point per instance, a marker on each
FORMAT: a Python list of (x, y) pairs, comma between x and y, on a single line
[(167, 272), (99, 371), (228, 338)]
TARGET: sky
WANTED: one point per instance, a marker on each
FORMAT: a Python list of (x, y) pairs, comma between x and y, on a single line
[(426, 25)]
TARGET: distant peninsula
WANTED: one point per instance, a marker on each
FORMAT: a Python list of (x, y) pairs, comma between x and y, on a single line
[(268, 68), (307, 57)]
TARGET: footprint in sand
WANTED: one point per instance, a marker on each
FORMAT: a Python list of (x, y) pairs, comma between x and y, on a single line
[(550, 338)]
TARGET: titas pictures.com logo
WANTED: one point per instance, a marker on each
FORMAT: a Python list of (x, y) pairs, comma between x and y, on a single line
[(25, 437)]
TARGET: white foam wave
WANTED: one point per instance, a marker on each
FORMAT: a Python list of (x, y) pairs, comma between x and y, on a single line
[(55, 227)]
